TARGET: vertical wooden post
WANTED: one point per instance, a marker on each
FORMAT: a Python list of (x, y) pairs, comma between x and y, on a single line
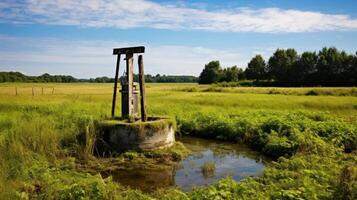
[(16, 91), (33, 92), (130, 73), (115, 85), (53, 90), (42, 90), (142, 88)]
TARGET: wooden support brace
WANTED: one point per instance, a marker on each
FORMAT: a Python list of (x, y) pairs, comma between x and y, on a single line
[(142, 88), (115, 85)]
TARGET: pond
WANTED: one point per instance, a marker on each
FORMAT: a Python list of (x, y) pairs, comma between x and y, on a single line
[(209, 162)]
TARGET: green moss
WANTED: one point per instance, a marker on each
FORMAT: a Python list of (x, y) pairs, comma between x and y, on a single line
[(156, 159), (176, 152), (153, 123)]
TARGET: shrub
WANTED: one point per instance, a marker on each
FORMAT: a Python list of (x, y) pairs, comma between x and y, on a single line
[(347, 186), (279, 146), (311, 93)]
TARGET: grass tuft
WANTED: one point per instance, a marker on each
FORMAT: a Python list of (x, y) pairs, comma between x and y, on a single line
[(208, 169)]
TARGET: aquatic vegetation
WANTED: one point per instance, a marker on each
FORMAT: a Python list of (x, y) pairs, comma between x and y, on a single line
[(208, 168)]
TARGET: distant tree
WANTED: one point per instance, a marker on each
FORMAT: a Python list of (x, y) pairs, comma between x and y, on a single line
[(241, 74), (211, 73), (45, 78), (346, 74), (19, 77), (276, 64), (281, 64), (167, 79), (327, 66), (230, 74), (256, 69), (353, 70), (58, 79), (305, 69)]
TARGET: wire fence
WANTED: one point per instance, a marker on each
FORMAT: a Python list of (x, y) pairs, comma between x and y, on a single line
[(32, 91)]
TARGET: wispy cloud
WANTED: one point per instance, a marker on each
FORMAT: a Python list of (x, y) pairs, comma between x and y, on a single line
[(94, 58), (142, 13)]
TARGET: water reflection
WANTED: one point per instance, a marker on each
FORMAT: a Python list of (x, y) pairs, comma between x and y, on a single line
[(146, 179), (228, 159), (236, 161)]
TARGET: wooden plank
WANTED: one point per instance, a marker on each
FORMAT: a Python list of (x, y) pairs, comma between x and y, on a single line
[(115, 86), (130, 72), (129, 50), (142, 87)]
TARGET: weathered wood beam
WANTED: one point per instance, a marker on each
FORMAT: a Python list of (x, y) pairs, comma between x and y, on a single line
[(142, 87), (130, 73), (115, 85), (129, 50)]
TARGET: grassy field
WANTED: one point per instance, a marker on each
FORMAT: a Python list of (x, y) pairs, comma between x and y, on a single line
[(310, 132)]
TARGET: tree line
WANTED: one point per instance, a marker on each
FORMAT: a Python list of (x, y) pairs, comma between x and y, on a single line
[(47, 78), (19, 77), (328, 67)]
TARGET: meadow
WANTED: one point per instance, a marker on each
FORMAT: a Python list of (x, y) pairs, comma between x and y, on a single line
[(310, 133)]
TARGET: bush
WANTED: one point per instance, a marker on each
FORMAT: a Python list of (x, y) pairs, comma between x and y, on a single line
[(311, 93), (275, 134)]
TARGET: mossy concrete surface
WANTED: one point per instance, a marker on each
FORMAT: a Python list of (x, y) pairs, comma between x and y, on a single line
[(118, 135)]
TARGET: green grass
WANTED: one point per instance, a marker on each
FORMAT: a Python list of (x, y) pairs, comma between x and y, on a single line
[(307, 131)]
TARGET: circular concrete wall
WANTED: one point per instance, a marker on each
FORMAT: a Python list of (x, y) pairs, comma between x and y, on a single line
[(119, 135)]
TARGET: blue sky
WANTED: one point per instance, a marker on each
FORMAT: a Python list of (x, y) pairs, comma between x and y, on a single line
[(77, 37)]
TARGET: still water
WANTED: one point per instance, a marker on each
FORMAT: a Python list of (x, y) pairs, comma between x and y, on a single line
[(233, 160)]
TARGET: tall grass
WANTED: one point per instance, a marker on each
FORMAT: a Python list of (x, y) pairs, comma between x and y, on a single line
[(42, 136)]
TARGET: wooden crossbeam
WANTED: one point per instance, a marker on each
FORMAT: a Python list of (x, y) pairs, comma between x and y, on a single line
[(129, 50)]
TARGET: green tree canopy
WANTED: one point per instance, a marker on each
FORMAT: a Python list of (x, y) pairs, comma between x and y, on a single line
[(230, 74), (256, 69), (211, 73), (281, 64), (305, 69), (328, 67)]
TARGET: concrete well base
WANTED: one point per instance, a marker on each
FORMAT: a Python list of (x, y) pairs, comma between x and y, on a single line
[(120, 135)]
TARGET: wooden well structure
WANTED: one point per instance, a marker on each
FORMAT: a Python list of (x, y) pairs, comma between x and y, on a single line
[(127, 132), (129, 93)]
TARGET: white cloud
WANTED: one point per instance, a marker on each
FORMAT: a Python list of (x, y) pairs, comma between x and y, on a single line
[(94, 58), (143, 13)]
